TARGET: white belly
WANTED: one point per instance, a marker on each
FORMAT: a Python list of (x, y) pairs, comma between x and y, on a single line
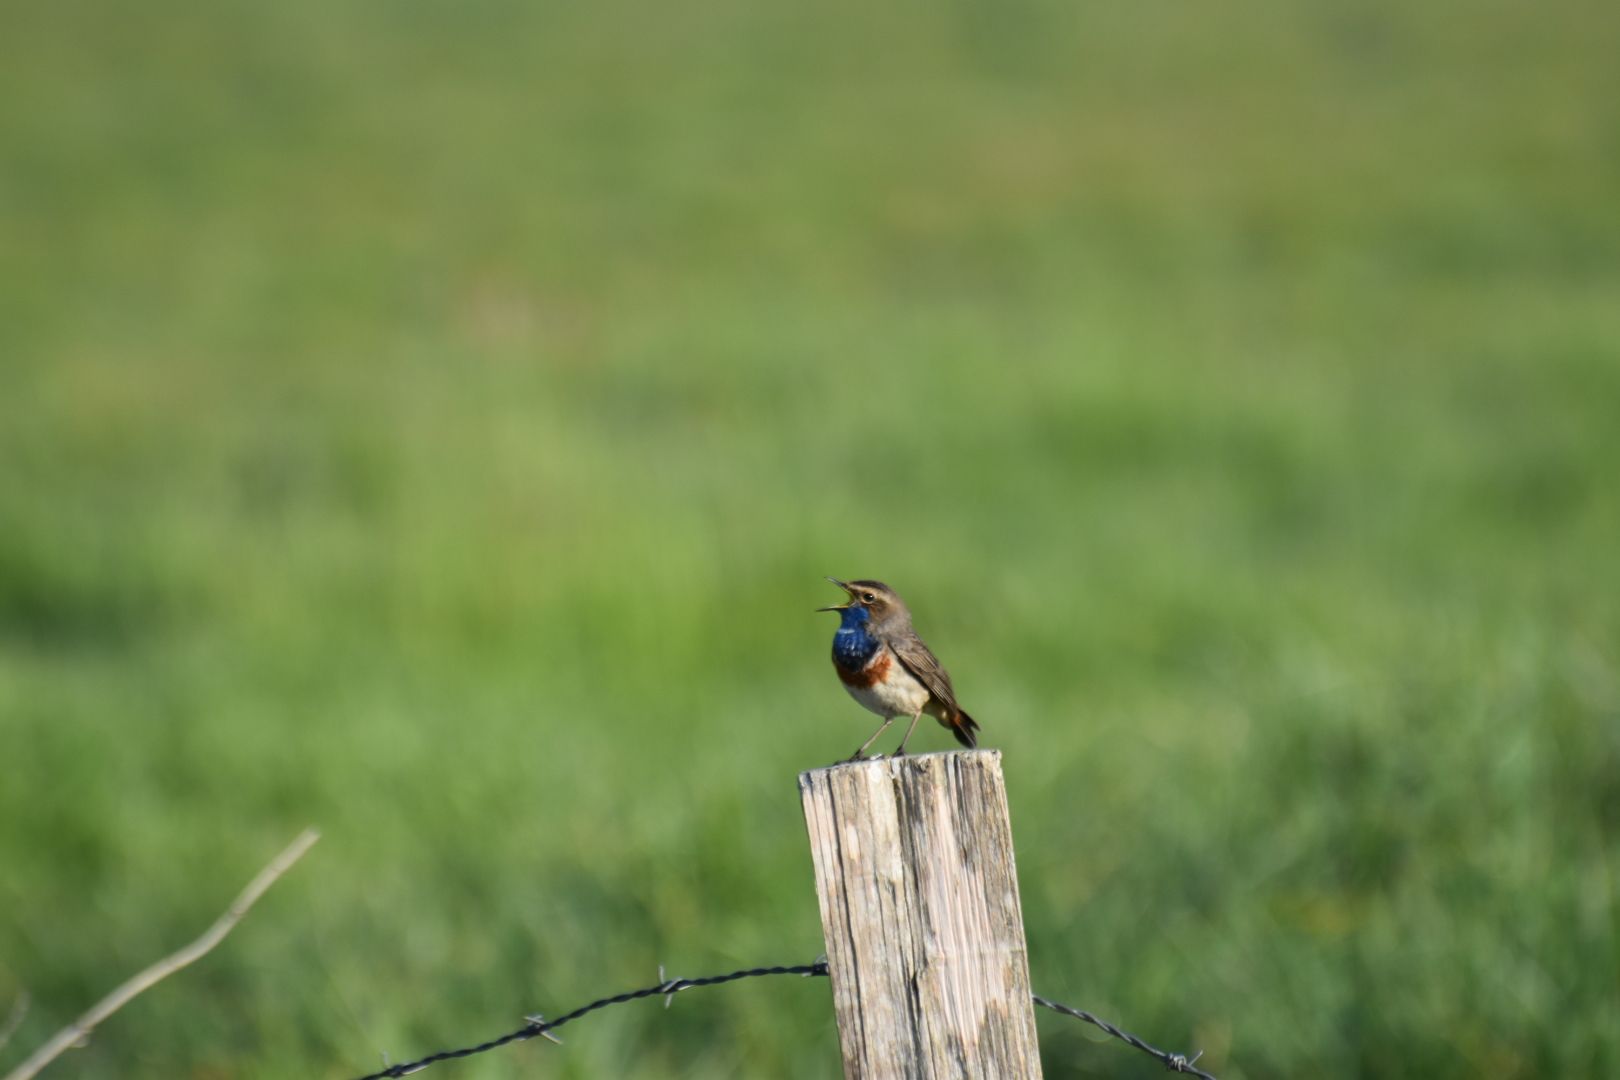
[(898, 695)]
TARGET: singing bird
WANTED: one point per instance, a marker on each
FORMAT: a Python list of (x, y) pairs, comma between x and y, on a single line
[(886, 667)]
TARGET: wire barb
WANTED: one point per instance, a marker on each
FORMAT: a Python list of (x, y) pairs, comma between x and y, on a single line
[(541, 1028), (670, 987), (536, 1025)]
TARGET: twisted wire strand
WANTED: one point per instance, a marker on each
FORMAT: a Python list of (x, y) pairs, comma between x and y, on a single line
[(538, 1027)]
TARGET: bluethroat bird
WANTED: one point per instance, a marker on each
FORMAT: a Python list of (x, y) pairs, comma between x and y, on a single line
[(886, 667)]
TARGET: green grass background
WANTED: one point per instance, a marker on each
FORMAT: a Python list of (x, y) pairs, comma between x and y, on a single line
[(432, 421)]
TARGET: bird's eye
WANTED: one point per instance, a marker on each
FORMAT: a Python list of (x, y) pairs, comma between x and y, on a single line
[(867, 598)]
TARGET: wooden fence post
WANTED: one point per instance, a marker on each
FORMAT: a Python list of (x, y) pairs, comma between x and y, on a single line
[(919, 908)]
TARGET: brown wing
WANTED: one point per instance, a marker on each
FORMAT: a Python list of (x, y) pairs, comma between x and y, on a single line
[(927, 668)]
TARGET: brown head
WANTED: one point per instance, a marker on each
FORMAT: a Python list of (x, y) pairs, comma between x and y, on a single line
[(886, 612)]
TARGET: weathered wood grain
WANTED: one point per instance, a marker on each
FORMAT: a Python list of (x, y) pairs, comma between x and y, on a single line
[(919, 907)]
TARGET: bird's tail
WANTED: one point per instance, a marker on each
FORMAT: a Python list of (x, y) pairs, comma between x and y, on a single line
[(966, 729)]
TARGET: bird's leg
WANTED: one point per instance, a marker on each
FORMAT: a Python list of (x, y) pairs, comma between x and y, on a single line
[(902, 751), (861, 753)]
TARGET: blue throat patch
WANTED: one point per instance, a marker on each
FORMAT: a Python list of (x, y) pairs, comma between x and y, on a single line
[(852, 645)]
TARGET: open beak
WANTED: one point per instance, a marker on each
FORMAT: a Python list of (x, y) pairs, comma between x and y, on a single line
[(840, 607)]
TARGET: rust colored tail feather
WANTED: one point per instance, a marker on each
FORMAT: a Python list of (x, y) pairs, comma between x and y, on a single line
[(966, 729)]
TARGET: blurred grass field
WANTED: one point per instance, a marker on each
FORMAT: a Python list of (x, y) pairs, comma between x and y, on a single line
[(432, 422)]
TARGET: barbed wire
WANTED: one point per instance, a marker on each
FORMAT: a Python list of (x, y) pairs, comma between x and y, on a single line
[(1174, 1062), (538, 1027)]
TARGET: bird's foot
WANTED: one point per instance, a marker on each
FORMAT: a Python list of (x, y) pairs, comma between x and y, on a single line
[(900, 752)]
